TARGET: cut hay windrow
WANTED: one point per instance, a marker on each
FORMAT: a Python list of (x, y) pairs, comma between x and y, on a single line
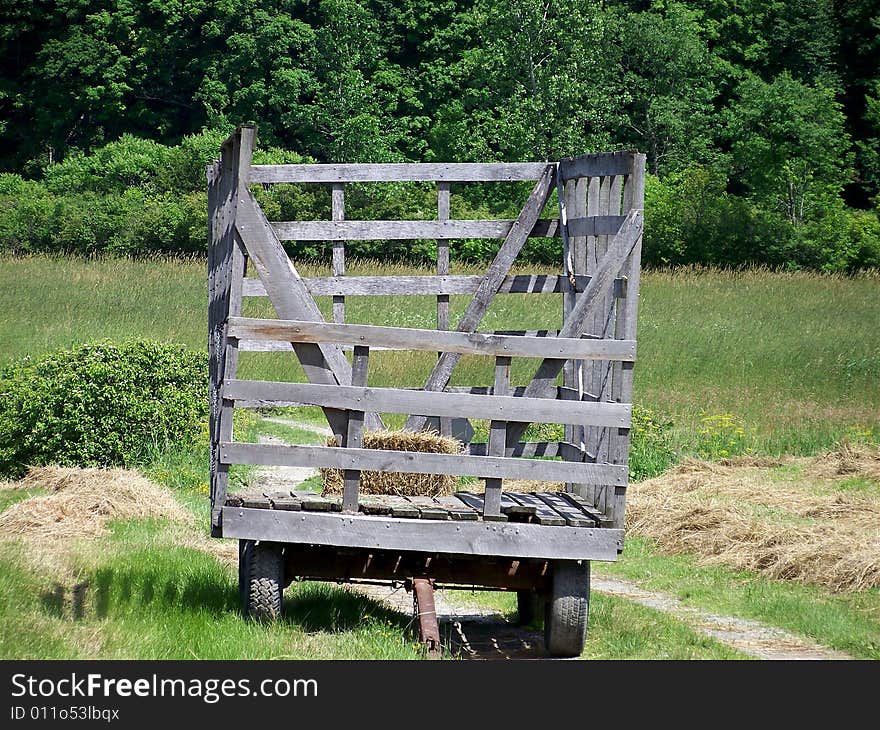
[(800, 526), (82, 501), (381, 482)]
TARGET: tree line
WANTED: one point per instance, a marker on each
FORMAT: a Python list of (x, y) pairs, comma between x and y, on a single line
[(760, 119)]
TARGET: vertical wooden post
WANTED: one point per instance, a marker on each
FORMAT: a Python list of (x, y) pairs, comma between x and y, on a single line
[(627, 322), (497, 440), (338, 214), (354, 437), (226, 265), (445, 422)]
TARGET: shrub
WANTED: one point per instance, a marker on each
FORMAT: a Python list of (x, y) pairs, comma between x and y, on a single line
[(100, 404)]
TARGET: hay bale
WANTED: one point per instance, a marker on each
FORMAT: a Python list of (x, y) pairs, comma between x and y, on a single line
[(381, 482)]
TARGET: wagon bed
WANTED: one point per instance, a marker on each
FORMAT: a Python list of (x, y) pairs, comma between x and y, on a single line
[(538, 543)]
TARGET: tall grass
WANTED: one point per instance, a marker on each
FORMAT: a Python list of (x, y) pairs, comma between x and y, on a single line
[(793, 357)]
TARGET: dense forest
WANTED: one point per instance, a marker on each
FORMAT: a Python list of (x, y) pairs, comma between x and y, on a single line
[(760, 119)]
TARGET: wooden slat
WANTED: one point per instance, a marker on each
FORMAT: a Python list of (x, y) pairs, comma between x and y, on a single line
[(431, 403), (312, 502), (457, 509), (513, 539), (476, 502), (544, 514), (338, 214), (573, 516), (429, 285), (494, 277), (411, 230), (283, 500), (409, 462), (399, 172), (497, 431), (401, 507), (428, 508), (596, 165), (531, 449), (472, 343), (355, 434)]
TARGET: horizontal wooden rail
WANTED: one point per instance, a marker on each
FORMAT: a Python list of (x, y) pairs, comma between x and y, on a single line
[(433, 403), (397, 230), (399, 172), (277, 346), (340, 286), (496, 539), (413, 462), (466, 343), (597, 165)]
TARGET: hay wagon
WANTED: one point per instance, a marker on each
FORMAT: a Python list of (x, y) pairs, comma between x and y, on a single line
[(537, 543)]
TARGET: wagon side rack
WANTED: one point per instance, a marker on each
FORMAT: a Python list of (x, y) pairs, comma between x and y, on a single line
[(539, 544)]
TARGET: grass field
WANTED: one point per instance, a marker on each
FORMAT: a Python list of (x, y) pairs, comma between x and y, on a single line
[(792, 359), (737, 362)]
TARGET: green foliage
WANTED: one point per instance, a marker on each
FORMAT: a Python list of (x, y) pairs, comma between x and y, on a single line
[(760, 118), (100, 404), (651, 450)]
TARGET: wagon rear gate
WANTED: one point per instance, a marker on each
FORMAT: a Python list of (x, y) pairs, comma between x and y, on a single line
[(582, 371)]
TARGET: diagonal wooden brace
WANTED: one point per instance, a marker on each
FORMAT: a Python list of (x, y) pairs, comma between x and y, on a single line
[(543, 384), (491, 283)]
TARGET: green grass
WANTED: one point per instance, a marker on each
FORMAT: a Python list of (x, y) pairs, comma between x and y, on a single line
[(795, 358), (849, 622)]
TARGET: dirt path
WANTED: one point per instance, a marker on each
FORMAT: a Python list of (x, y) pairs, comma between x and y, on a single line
[(477, 632)]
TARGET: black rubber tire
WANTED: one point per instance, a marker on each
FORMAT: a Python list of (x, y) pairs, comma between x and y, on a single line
[(261, 579), (529, 605), (567, 611)]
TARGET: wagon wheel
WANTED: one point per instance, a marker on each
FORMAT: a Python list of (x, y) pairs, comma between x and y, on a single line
[(529, 605), (261, 579), (566, 612)]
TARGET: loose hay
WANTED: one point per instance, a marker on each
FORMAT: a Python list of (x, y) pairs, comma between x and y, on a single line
[(802, 528), (381, 482), (82, 501)]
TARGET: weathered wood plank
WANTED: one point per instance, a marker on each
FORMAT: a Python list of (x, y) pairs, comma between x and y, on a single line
[(471, 343), (401, 507), (477, 503), (441, 230), (544, 514), (432, 403), (430, 285), (355, 433), (399, 172), (457, 509), (428, 508), (512, 539), (338, 213), (596, 165), (573, 516), (409, 462), (497, 431)]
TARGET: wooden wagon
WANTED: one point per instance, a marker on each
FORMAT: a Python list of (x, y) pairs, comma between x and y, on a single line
[(536, 543)]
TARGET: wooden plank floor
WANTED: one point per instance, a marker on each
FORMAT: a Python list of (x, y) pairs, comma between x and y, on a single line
[(543, 508)]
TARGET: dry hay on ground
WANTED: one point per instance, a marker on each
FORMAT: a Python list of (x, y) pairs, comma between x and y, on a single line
[(82, 501), (799, 527), (380, 482)]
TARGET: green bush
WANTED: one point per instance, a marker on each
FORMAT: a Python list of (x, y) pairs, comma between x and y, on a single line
[(100, 404)]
